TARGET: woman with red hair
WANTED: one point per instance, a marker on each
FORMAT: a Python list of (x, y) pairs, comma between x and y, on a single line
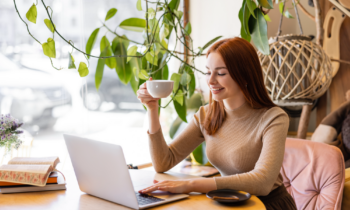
[(244, 131)]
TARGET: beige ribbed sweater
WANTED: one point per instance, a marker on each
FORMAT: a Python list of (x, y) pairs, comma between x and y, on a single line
[(247, 150)]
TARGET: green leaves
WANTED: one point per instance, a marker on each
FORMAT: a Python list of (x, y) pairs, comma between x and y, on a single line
[(49, 25), (136, 65), (287, 14), (188, 28), (138, 5), (154, 29), (91, 41), (83, 69), (151, 13), (123, 68), (185, 79), (281, 7), (165, 72), (105, 45), (131, 52), (152, 58), (251, 6), (32, 14), (259, 32), (195, 102), (210, 42), (267, 18), (165, 31), (192, 85), (174, 4), (198, 154), (100, 69), (176, 78), (143, 75), (246, 16), (110, 13), (243, 20), (71, 64), (49, 48), (178, 13), (181, 108), (179, 97), (133, 24), (268, 4)]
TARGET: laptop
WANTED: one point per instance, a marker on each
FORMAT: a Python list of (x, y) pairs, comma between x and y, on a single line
[(101, 171)]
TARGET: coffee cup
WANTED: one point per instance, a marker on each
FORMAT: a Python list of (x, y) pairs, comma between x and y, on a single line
[(160, 88)]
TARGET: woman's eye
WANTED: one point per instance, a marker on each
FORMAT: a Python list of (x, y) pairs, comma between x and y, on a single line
[(208, 73), (221, 74)]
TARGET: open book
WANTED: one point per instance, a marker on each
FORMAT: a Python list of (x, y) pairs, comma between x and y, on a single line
[(28, 170)]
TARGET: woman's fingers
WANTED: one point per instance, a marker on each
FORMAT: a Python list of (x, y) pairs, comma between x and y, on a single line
[(144, 85), (164, 188), (143, 92), (149, 189)]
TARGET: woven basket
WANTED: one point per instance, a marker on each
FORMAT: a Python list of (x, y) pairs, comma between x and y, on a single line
[(297, 70)]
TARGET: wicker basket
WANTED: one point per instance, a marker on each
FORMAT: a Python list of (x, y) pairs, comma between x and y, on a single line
[(297, 70)]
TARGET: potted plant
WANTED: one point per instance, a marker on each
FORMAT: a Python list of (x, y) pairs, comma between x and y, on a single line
[(9, 133)]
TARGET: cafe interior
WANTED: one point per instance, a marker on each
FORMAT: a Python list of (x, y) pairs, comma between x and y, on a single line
[(71, 72)]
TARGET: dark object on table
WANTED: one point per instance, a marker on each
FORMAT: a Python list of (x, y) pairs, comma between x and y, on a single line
[(225, 198), (228, 196)]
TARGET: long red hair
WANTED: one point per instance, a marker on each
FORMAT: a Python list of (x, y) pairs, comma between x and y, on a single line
[(243, 64)]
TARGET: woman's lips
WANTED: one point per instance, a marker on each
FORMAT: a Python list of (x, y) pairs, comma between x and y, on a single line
[(216, 90)]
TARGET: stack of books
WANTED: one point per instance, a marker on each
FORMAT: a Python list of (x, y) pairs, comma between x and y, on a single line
[(30, 175)]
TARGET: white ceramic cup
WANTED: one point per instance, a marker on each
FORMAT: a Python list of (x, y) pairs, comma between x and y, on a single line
[(160, 88)]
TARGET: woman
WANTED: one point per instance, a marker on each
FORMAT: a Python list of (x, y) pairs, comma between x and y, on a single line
[(244, 131)]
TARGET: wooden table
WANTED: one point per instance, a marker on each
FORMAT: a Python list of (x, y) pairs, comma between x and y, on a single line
[(73, 198)]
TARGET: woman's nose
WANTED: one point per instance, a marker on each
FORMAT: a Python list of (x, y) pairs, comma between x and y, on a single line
[(211, 79)]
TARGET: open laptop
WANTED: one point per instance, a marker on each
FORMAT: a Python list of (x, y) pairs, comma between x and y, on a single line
[(101, 171)]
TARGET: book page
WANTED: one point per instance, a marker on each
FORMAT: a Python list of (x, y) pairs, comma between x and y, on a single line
[(40, 169), (25, 174), (53, 161)]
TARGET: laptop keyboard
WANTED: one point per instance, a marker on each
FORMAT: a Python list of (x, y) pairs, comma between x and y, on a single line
[(144, 199)]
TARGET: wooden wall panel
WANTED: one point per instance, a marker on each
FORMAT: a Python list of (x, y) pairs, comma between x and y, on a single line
[(341, 81)]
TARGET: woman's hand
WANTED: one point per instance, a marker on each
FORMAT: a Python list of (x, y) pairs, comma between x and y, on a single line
[(145, 98), (173, 186)]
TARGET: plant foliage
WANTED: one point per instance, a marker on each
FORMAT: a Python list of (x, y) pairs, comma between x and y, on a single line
[(253, 17), (136, 62)]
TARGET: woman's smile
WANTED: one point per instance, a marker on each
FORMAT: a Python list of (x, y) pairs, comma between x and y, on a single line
[(216, 90)]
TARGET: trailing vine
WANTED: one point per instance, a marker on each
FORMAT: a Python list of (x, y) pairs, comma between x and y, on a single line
[(137, 62)]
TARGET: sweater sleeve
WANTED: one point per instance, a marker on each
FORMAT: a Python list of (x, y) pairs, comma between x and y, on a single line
[(260, 181), (164, 156)]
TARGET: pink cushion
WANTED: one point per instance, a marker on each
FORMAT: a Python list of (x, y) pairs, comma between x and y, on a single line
[(313, 174)]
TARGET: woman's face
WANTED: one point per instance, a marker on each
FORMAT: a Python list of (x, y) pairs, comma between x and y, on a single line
[(220, 82)]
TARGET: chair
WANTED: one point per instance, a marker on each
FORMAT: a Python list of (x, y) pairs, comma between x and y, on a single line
[(313, 174)]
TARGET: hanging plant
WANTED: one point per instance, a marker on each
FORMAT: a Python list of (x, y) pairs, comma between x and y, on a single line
[(135, 62), (253, 17)]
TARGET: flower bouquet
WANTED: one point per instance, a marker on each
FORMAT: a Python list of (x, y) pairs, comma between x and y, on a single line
[(9, 133)]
